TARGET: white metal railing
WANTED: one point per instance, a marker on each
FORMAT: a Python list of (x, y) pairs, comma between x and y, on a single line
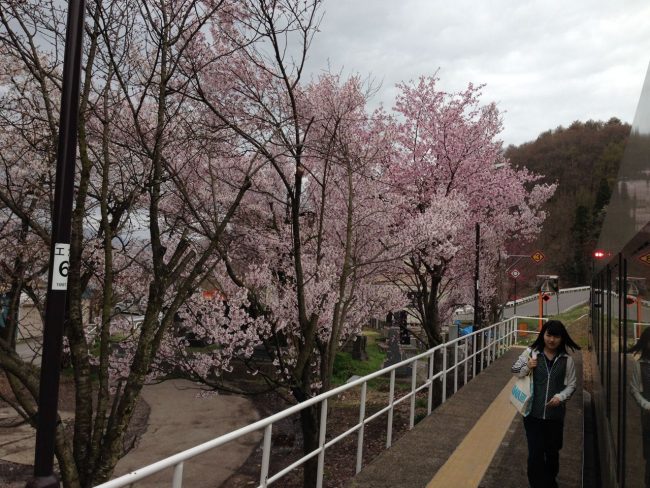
[(531, 298), (638, 328), (494, 341)]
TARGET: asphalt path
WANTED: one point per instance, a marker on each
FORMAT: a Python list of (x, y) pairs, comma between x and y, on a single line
[(181, 419), (557, 304)]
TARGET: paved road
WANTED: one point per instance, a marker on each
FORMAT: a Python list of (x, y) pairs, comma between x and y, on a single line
[(178, 421), (557, 304)]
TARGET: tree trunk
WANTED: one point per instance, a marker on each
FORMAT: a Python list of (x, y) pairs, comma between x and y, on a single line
[(431, 322), (9, 331), (309, 422)]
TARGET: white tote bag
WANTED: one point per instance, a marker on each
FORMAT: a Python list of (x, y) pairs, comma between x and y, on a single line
[(521, 395)]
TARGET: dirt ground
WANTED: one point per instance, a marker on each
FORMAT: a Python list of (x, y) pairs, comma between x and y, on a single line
[(14, 475), (340, 459)]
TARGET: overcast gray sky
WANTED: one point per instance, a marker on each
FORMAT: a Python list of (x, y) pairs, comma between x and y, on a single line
[(545, 63)]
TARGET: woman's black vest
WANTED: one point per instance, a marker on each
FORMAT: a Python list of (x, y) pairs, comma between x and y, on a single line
[(546, 383)]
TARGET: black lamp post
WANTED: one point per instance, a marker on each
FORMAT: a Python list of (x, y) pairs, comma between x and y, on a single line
[(48, 395)]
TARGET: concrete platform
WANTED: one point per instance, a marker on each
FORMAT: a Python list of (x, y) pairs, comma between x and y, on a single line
[(416, 458), (508, 467)]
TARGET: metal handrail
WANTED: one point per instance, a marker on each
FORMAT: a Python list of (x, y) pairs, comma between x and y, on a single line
[(499, 337), (531, 298)]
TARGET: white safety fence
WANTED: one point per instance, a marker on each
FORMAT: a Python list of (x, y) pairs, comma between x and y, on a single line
[(639, 327), (563, 291), (486, 345)]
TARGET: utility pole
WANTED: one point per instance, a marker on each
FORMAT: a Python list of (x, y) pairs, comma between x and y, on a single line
[(476, 270), (48, 395)]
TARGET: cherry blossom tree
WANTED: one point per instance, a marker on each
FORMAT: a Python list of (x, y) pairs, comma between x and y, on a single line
[(139, 153), (318, 229), (450, 167)]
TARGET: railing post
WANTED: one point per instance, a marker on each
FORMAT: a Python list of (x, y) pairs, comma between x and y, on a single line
[(321, 443), (389, 431), (482, 348), (177, 480), (266, 456), (499, 340), (515, 334), (474, 341), (489, 346), (414, 372), (362, 416), (466, 359), (443, 378), (430, 396), (515, 326), (510, 333), (455, 366)]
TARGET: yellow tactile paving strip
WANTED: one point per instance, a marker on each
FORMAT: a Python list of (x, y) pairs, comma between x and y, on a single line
[(467, 465)]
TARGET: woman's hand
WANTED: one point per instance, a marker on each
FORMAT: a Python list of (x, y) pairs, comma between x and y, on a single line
[(554, 402), (532, 362)]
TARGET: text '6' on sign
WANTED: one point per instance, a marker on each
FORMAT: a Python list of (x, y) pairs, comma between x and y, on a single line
[(515, 273), (537, 256), (60, 266)]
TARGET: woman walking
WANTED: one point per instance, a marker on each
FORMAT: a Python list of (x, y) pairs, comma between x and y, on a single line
[(554, 381)]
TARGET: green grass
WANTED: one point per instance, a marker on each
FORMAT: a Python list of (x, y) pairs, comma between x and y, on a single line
[(576, 327), (572, 315), (345, 366)]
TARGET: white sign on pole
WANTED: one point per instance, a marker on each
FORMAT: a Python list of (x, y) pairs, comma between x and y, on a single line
[(60, 266), (515, 273)]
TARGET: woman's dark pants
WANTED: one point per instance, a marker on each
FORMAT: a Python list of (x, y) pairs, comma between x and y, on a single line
[(544, 443)]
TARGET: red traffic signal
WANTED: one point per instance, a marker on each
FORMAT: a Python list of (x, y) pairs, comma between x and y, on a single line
[(630, 300), (598, 254), (546, 297)]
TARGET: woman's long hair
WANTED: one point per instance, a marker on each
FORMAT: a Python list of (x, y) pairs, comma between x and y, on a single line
[(555, 328), (641, 346)]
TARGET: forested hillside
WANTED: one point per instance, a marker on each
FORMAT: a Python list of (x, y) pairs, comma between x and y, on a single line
[(584, 159)]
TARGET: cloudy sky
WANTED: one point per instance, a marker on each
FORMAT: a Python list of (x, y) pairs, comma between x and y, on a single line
[(545, 63)]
